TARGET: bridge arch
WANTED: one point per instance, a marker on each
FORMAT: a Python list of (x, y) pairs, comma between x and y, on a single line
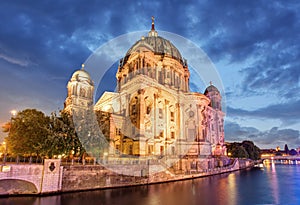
[(17, 186)]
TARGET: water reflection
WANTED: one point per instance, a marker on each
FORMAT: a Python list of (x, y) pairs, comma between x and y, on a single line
[(232, 189), (273, 185)]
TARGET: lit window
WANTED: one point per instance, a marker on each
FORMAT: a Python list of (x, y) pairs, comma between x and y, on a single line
[(173, 135), (172, 116), (161, 134), (133, 109), (160, 113), (148, 110), (117, 151), (150, 149)]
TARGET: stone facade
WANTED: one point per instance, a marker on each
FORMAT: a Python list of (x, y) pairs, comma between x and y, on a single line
[(31, 178), (80, 91), (153, 112)]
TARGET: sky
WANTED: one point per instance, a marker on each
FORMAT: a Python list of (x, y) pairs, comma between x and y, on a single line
[(254, 46)]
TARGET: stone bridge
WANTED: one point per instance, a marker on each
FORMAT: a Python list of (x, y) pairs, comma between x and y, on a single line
[(282, 159), (31, 178)]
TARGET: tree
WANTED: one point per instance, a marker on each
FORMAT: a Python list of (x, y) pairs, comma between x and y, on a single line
[(293, 152), (237, 150), (246, 149), (31, 132), (63, 137), (252, 150), (6, 127), (89, 132), (28, 132)]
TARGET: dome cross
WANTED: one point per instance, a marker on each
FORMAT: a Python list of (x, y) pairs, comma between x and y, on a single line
[(152, 28)]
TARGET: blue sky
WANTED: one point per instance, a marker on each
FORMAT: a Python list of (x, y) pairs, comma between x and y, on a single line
[(253, 44)]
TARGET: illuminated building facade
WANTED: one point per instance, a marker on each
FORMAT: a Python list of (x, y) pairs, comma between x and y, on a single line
[(153, 112)]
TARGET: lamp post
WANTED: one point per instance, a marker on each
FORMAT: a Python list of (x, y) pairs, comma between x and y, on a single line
[(5, 152), (13, 114)]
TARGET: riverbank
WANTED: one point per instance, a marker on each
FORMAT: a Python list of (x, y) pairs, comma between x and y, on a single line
[(40, 180)]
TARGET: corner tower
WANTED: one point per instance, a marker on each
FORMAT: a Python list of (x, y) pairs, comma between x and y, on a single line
[(214, 95), (80, 91), (215, 123)]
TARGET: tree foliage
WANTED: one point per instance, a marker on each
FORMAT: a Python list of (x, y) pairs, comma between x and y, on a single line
[(63, 139), (28, 132), (6, 127), (246, 149), (33, 133), (90, 132)]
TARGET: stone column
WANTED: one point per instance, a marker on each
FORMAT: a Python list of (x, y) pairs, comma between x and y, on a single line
[(182, 135), (166, 116), (155, 115), (141, 111), (186, 83), (112, 134), (178, 122), (141, 123), (179, 128)]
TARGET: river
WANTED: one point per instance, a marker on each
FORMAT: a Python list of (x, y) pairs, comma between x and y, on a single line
[(273, 184)]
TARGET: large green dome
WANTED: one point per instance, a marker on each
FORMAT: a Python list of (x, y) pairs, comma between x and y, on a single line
[(158, 45)]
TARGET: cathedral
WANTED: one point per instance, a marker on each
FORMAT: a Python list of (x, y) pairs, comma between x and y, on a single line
[(153, 112)]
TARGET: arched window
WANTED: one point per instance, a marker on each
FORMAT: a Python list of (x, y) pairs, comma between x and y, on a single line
[(74, 90), (191, 131), (82, 92), (89, 95)]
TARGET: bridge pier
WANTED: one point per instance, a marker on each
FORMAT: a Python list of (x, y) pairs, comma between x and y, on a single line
[(31, 178)]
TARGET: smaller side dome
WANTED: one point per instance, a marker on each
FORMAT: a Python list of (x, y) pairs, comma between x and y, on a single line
[(81, 75), (211, 88), (214, 95)]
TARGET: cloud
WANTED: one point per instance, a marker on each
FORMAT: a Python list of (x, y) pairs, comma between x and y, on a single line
[(258, 36), (266, 139), (288, 112), (276, 73), (14, 60), (233, 132), (42, 43)]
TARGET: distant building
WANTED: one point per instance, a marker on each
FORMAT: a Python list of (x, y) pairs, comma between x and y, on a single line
[(153, 112)]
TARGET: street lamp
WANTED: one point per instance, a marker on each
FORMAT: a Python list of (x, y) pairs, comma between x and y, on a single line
[(5, 152), (13, 114)]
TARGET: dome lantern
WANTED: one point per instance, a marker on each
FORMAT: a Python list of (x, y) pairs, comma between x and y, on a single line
[(152, 33)]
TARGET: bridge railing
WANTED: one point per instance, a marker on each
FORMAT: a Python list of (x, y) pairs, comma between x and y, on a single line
[(40, 160), (21, 160)]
